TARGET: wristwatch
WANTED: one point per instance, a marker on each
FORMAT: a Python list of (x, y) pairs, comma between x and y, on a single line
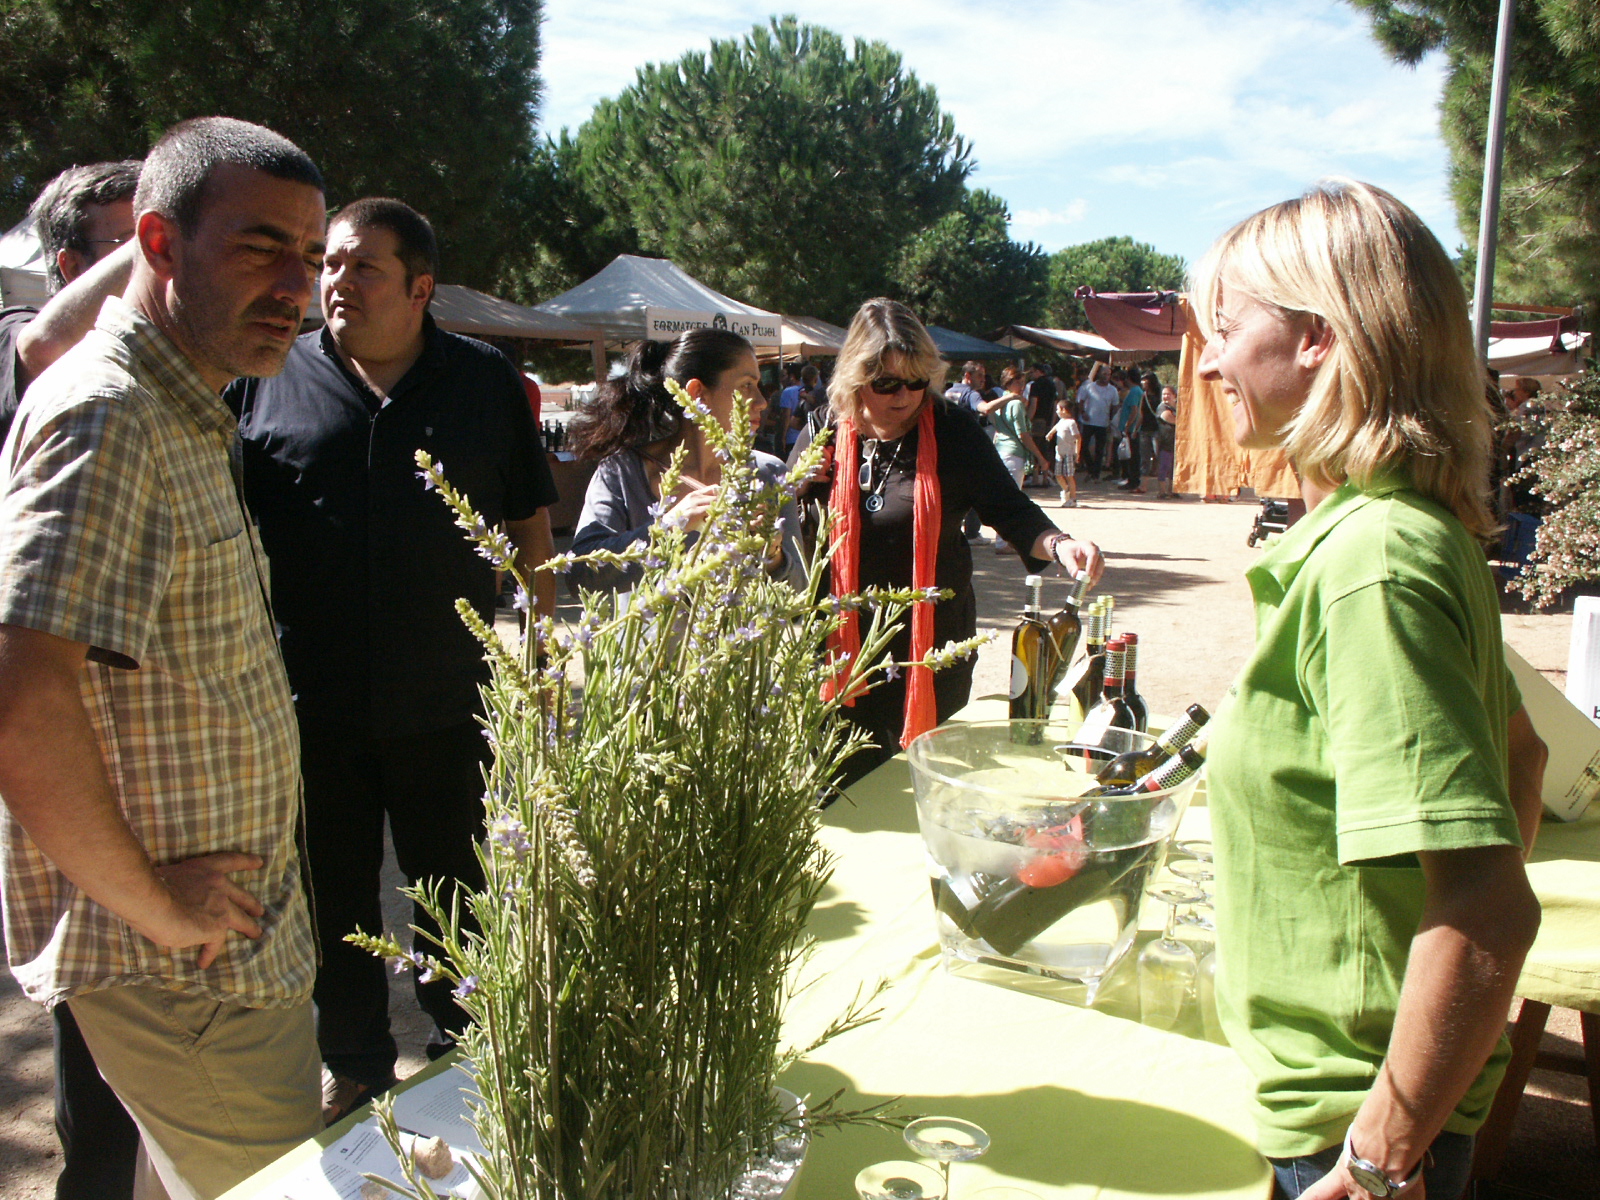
[(1371, 1177)]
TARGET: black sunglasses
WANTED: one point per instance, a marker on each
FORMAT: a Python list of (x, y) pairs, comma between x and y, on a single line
[(888, 385)]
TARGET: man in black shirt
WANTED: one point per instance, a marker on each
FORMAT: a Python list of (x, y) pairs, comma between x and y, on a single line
[(366, 569)]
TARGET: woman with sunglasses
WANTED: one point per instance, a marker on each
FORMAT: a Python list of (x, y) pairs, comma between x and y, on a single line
[(632, 428), (905, 465)]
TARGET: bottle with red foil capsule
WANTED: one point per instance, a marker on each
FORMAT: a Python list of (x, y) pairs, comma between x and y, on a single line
[(1127, 768), (1112, 712), (1169, 774), (1130, 689)]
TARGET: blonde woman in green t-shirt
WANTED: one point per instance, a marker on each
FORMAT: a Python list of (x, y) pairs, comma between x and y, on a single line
[(1373, 777)]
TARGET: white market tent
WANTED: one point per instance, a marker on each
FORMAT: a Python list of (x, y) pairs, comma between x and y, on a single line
[(637, 299), (1561, 354)]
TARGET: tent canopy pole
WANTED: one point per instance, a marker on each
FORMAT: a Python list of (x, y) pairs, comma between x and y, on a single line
[(1489, 207)]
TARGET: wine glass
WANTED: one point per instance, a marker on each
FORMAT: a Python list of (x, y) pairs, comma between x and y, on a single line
[(1168, 970), (1196, 848), (1195, 872), (899, 1181), (946, 1140)]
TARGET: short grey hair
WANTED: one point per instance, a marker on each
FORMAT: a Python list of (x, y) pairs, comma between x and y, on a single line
[(179, 166), (61, 213)]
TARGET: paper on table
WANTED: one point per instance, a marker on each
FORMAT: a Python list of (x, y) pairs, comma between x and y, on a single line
[(338, 1173), (1572, 776), (437, 1108)]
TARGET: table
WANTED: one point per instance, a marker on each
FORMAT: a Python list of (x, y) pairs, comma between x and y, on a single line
[(1562, 970), (1080, 1104)]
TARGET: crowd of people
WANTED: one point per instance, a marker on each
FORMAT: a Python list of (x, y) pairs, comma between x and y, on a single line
[(198, 754)]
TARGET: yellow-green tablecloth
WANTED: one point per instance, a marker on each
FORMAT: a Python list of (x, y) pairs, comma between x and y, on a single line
[(1079, 1104), (1563, 968)]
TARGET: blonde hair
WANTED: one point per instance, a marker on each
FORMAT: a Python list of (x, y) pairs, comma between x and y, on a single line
[(1402, 389), (882, 327)]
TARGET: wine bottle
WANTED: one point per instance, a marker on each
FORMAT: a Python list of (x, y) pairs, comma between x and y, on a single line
[(1086, 691), (1066, 627), (1033, 664), (1126, 768), (1130, 690), (1169, 774), (1112, 712), (1047, 888)]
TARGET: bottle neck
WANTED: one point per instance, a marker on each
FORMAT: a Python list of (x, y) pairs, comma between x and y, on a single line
[(1170, 773), (1114, 670)]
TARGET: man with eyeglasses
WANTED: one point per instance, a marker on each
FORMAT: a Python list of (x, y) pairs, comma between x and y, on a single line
[(81, 216)]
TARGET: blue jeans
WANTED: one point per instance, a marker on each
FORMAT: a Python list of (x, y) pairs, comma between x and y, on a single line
[(1444, 1178)]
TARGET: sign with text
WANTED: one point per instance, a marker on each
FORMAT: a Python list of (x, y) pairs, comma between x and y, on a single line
[(664, 324)]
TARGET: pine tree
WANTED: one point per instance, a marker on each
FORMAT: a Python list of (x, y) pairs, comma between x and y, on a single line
[(965, 272), (432, 103), (784, 168), (1549, 246)]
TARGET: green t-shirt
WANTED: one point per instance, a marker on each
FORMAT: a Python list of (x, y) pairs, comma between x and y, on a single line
[(1370, 724), (1009, 421)]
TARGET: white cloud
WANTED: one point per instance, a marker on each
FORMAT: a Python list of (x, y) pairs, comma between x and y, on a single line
[(1029, 219), (1186, 113)]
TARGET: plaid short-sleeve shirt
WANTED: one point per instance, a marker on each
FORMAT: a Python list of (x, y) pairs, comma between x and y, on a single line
[(121, 527)]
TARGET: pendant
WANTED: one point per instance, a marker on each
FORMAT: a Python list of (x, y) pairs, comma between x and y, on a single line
[(872, 503)]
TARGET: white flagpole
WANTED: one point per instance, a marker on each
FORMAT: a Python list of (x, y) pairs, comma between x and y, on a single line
[(1489, 207)]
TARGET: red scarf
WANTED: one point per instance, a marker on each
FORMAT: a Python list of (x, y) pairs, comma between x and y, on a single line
[(921, 713)]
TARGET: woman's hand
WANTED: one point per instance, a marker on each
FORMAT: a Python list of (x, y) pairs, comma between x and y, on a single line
[(1072, 554), (690, 512)]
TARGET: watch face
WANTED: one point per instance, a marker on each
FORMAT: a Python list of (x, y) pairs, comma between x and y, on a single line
[(1371, 1180)]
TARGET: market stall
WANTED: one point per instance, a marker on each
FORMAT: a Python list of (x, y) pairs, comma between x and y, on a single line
[(652, 299)]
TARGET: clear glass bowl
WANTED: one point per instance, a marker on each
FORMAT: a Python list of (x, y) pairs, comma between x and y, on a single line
[(1028, 873)]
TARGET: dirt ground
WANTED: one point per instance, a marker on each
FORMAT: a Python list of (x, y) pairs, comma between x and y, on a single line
[(1177, 571)]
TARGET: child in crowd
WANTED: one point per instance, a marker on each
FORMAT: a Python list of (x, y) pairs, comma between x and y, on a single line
[(1064, 433)]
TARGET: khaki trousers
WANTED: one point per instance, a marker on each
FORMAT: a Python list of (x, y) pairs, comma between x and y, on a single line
[(218, 1090)]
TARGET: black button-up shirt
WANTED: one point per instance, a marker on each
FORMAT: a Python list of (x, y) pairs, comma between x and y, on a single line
[(366, 563)]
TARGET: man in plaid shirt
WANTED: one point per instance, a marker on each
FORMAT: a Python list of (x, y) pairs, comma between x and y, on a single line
[(148, 752)]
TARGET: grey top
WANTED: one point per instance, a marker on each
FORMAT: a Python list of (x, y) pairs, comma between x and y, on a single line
[(618, 510)]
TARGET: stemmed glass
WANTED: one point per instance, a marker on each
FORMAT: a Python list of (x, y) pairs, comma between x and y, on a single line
[(899, 1181), (1168, 969), (946, 1140)]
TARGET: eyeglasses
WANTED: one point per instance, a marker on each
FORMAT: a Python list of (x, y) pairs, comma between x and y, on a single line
[(888, 385), (123, 240)]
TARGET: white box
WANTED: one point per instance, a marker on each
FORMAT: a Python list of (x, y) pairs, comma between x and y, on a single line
[(1583, 660), (1572, 776)]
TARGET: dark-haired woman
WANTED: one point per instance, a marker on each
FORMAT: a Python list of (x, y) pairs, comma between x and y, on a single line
[(906, 465), (634, 425)]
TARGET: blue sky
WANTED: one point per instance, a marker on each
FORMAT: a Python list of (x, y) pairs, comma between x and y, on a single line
[(1166, 120)]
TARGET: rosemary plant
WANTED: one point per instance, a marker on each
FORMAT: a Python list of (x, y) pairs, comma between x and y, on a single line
[(651, 856)]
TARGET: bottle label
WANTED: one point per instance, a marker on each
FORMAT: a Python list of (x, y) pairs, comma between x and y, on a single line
[(1019, 677), (1094, 727)]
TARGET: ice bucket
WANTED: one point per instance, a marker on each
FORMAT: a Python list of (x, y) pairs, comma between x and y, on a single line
[(1027, 872)]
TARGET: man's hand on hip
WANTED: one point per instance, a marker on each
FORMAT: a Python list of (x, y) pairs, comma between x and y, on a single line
[(206, 904)]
